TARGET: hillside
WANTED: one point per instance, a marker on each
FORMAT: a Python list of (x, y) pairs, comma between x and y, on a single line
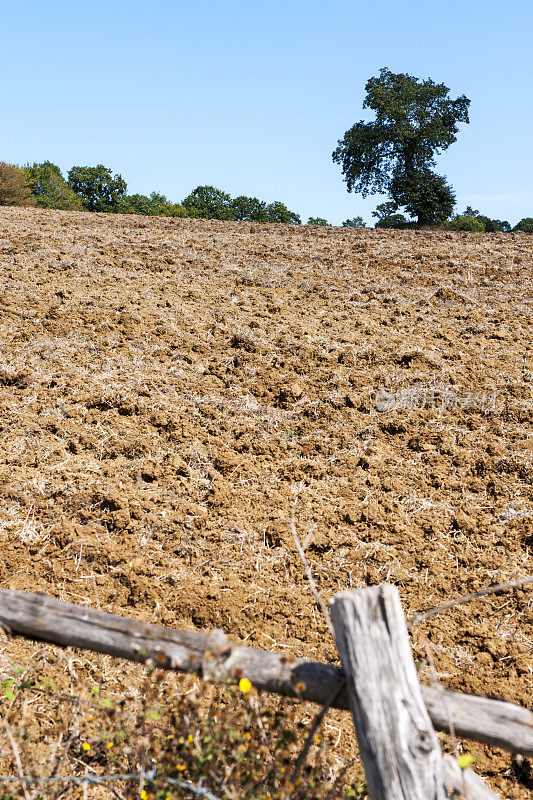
[(168, 387)]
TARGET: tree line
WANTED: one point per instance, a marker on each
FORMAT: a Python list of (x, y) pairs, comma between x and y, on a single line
[(394, 155), (98, 189)]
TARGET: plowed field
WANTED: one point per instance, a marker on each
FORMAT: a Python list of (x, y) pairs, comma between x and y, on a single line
[(168, 388)]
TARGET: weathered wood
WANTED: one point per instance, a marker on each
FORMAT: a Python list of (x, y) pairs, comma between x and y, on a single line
[(210, 654), (399, 749), (37, 616), (465, 783), (494, 722)]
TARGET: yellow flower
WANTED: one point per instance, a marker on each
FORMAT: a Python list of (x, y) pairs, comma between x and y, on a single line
[(245, 685), (110, 745), (86, 746), (144, 795), (90, 719), (190, 738), (465, 761), (180, 768)]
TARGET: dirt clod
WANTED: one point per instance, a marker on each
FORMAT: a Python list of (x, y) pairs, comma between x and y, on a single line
[(168, 387)]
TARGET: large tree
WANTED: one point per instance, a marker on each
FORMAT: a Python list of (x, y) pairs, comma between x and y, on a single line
[(98, 187), (415, 120)]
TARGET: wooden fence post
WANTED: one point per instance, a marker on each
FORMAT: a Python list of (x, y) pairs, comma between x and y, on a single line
[(399, 748)]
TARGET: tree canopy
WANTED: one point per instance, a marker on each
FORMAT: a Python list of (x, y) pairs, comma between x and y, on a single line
[(156, 205), (417, 191), (207, 202), (278, 212), (99, 189), (249, 208), (525, 225), (49, 187), (14, 187), (355, 222), (414, 121)]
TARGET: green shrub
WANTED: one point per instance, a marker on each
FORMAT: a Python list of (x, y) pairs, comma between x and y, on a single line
[(494, 225), (178, 210), (397, 221), (388, 217), (464, 222), (318, 221)]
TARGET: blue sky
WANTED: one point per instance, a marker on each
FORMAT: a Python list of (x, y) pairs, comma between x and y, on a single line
[(253, 97)]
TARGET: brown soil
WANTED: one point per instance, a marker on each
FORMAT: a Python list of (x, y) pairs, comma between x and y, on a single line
[(168, 387)]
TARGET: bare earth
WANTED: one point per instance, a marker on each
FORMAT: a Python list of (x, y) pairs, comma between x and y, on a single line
[(169, 387)]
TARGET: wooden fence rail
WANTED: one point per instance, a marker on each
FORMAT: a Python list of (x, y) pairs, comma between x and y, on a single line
[(214, 657)]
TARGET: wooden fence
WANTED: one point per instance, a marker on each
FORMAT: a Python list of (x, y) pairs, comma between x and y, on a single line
[(394, 716)]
